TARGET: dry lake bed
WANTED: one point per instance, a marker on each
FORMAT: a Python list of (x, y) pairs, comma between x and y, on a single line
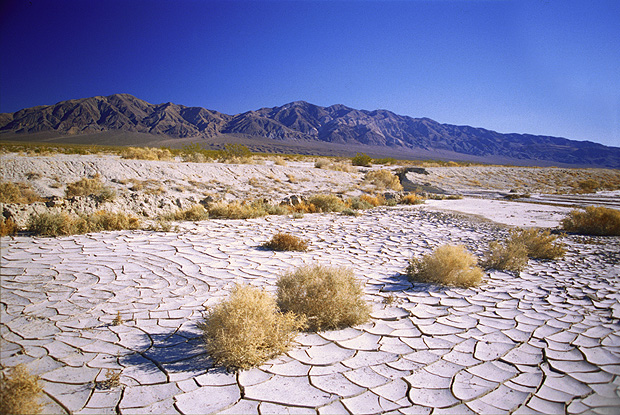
[(544, 341)]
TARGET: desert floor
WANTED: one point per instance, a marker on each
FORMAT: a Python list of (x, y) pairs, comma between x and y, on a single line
[(544, 341)]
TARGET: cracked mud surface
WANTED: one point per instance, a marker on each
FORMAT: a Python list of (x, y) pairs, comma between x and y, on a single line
[(546, 341)]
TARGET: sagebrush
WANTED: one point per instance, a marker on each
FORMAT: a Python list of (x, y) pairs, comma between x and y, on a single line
[(383, 179), (447, 265), (20, 392), (18, 193), (540, 244), (7, 227), (286, 242), (328, 297), (62, 223), (593, 220), (90, 187), (247, 329), (506, 256)]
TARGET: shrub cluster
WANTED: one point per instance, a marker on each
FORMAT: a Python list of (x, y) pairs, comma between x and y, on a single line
[(59, 224), (194, 213), (329, 298), (361, 159), (147, 153), (7, 227), (244, 210), (90, 187), (18, 193), (412, 199), (593, 220), (513, 253), (447, 265), (383, 179), (20, 392), (286, 242), (248, 329)]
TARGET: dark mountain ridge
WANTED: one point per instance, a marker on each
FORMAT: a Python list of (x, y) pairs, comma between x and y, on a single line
[(302, 121)]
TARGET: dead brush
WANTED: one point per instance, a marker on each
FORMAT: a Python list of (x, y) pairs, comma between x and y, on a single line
[(508, 256), (412, 199), (286, 242), (20, 193), (62, 223), (20, 392), (248, 329), (7, 227), (540, 244), (194, 213), (327, 203), (146, 153), (375, 201), (90, 187), (329, 298), (110, 221), (447, 265), (383, 179), (593, 220)]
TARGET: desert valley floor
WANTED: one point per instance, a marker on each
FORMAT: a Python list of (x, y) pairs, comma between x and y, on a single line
[(544, 341)]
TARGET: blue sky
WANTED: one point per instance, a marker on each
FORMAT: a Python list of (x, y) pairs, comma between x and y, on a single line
[(527, 66)]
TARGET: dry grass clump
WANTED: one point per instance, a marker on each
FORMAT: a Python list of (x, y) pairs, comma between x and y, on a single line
[(286, 242), (194, 213), (447, 265), (359, 203), (383, 179), (330, 298), (18, 193), (62, 223), (248, 329), (373, 200), (20, 392), (593, 221), (244, 210), (507, 256), (540, 244), (326, 203), (90, 187), (147, 153), (327, 164), (412, 199), (7, 227)]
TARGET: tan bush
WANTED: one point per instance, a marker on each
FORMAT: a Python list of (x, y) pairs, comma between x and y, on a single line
[(360, 203), (244, 210), (247, 329), (18, 193), (540, 244), (109, 221), (447, 265), (194, 213), (373, 200), (286, 242), (412, 199), (383, 179), (507, 256), (61, 223), (327, 203), (20, 392), (330, 298), (7, 227), (593, 221), (90, 187), (146, 153)]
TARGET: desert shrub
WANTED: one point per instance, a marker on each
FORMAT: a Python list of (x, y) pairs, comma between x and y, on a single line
[(247, 329), (17, 193), (321, 163), (447, 265), (20, 392), (588, 185), (279, 161), (336, 166), (109, 221), (56, 224), (383, 179), (286, 242), (385, 160), (373, 200), (359, 203), (235, 152), (7, 227), (245, 210), (349, 212), (194, 213), (146, 153), (593, 221), (90, 187), (540, 244), (508, 256), (361, 159), (327, 203), (329, 298), (412, 199)]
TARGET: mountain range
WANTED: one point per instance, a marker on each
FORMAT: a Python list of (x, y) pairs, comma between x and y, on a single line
[(295, 125)]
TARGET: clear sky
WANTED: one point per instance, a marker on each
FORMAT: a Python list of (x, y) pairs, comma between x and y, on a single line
[(549, 67)]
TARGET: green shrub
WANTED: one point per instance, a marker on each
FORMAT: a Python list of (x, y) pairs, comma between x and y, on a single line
[(359, 203), (361, 159), (329, 298), (286, 242), (447, 265), (593, 221), (20, 392), (247, 329)]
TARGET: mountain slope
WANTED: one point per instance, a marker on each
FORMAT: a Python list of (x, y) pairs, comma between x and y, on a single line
[(336, 124)]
